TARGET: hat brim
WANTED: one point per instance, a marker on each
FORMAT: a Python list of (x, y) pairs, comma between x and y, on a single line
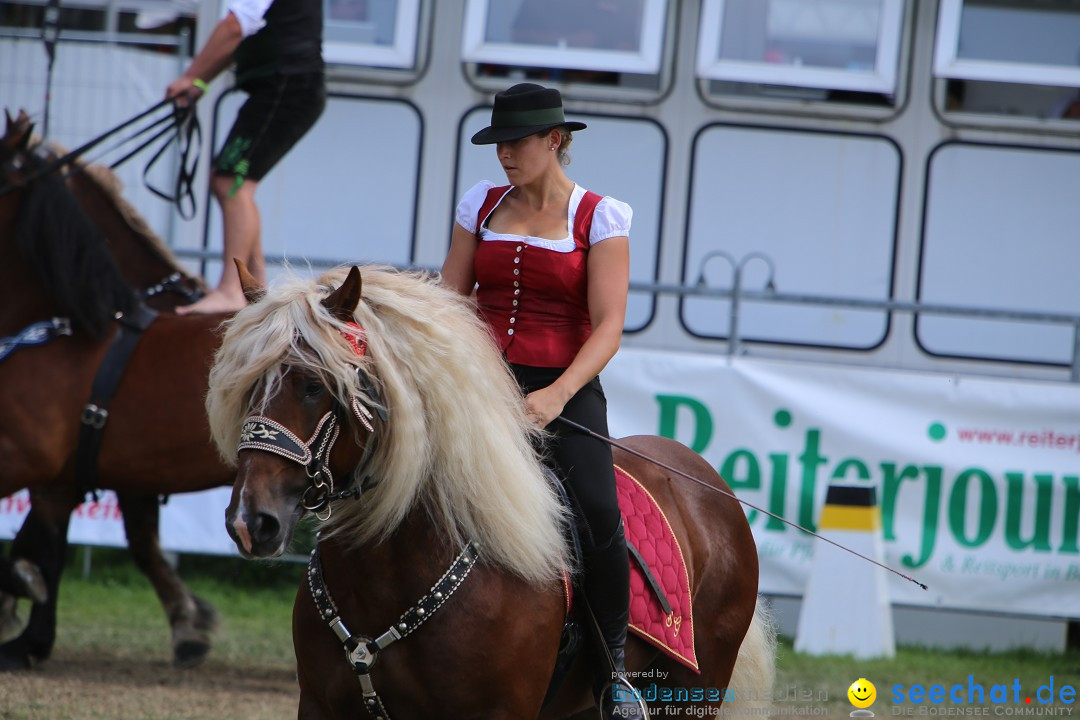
[(492, 135)]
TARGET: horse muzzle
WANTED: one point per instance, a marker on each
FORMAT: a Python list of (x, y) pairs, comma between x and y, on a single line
[(263, 513)]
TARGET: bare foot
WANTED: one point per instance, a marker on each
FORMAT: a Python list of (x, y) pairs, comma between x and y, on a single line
[(215, 301)]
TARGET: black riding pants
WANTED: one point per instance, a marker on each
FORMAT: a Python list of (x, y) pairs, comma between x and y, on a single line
[(582, 462)]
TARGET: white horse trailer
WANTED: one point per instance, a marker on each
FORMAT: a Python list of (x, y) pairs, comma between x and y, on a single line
[(842, 209)]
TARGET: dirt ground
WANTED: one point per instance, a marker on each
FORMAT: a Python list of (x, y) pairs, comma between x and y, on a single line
[(84, 686)]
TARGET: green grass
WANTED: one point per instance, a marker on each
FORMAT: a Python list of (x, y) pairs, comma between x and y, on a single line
[(115, 607), (115, 610), (832, 675)]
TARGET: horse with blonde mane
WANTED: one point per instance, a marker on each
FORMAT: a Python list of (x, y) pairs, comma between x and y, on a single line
[(442, 550)]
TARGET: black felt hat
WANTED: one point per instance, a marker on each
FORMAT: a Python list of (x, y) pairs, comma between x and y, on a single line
[(523, 110)]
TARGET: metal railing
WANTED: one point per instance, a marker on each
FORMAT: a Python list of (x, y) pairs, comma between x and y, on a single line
[(738, 294)]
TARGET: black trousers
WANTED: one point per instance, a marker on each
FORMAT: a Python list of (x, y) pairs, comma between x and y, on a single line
[(582, 462)]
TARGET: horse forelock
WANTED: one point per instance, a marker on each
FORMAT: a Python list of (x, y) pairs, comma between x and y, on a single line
[(457, 444)]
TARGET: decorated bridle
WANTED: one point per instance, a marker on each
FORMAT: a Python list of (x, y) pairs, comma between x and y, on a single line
[(263, 433), (268, 435)]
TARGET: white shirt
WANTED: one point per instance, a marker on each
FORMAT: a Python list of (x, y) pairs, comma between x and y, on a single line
[(611, 218), (250, 14)]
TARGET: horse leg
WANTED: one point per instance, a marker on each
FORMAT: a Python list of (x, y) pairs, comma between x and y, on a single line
[(19, 577), (191, 618), (42, 539), (10, 626)]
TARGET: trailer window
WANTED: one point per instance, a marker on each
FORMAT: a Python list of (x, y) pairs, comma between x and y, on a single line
[(821, 49), (807, 213), (1009, 58), (320, 211), (372, 33), (1007, 244), (599, 42)]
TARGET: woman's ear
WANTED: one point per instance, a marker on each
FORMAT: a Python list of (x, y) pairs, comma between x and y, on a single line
[(554, 139)]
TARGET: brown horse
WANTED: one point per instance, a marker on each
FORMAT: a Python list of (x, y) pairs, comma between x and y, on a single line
[(56, 263), (441, 511)]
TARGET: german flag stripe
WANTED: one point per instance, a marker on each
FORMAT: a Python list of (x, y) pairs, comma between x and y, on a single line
[(847, 517)]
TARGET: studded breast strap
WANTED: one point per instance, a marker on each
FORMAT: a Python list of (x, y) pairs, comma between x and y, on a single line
[(362, 652)]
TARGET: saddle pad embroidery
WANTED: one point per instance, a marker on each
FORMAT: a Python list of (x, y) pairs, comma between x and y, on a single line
[(648, 529)]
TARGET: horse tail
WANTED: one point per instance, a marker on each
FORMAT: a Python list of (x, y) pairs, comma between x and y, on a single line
[(755, 668)]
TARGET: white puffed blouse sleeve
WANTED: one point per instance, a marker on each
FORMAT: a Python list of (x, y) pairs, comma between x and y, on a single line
[(470, 205), (611, 218)]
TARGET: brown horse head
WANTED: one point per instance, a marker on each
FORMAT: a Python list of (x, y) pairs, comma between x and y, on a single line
[(400, 342), (280, 475)]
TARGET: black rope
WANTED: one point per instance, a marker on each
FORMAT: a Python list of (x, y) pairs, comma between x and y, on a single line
[(643, 456)]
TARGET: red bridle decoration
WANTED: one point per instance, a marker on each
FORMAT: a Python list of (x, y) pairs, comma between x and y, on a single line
[(357, 339)]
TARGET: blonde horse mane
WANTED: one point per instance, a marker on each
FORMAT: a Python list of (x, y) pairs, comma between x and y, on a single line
[(457, 444), (113, 188)]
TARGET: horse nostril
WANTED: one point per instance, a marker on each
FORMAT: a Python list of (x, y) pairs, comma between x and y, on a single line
[(264, 528)]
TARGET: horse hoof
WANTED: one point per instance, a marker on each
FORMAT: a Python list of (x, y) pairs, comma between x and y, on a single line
[(30, 580), (190, 653), (12, 659)]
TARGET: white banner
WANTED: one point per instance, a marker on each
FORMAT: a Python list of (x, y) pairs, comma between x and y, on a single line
[(190, 522), (977, 479)]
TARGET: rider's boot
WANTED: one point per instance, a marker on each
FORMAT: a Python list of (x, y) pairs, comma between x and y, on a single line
[(607, 589)]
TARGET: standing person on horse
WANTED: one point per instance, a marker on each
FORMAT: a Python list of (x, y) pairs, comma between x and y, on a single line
[(550, 262), (277, 49)]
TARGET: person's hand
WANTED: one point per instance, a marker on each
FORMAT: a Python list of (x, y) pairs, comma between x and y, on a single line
[(544, 405), (183, 91)]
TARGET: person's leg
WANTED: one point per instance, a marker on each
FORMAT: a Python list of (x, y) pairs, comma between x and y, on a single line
[(241, 239), (590, 479), (279, 111)]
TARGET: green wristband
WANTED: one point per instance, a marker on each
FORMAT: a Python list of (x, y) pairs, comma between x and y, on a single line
[(201, 84)]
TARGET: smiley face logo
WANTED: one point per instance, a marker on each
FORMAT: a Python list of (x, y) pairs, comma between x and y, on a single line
[(862, 693)]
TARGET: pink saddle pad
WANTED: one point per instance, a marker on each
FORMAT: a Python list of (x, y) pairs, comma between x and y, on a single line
[(648, 529)]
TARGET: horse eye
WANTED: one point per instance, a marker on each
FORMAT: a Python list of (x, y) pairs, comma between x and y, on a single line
[(313, 389)]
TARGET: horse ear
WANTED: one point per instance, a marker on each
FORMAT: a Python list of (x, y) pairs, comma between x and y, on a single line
[(342, 302), (253, 291), (18, 132)]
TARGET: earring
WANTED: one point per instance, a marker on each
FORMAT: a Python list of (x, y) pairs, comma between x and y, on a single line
[(552, 147)]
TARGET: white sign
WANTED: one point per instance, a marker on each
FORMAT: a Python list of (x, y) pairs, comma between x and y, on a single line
[(977, 479), (189, 522)]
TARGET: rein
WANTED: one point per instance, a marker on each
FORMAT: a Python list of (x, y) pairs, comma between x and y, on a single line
[(188, 134)]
